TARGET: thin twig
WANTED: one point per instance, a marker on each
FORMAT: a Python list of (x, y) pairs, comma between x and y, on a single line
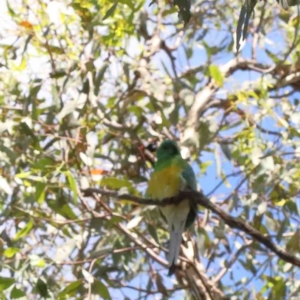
[(200, 199)]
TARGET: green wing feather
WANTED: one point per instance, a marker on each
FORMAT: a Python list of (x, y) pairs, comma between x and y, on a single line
[(189, 175)]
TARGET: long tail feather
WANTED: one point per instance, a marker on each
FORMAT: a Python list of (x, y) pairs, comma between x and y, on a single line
[(176, 216), (174, 245)]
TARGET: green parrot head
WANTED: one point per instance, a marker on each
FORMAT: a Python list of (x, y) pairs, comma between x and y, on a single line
[(167, 149)]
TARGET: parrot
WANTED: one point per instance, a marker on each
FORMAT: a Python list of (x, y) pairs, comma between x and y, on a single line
[(173, 174)]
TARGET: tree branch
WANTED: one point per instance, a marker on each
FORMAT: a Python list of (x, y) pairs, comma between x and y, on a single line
[(200, 199)]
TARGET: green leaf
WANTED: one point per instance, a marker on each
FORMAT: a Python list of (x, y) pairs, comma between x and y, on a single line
[(248, 265), (134, 222), (42, 288), (204, 134), (114, 220), (37, 261), (204, 165), (61, 207), (54, 49), (27, 131), (101, 290), (16, 293), (153, 232), (262, 208), (99, 78), (211, 50), (226, 150), (6, 126), (40, 192), (73, 186), (292, 207), (69, 290), (275, 59), (184, 10), (5, 283), (10, 10), (189, 52), (69, 107), (278, 291), (58, 74), (267, 164), (64, 251), (45, 163), (24, 231), (293, 245), (215, 73), (169, 11), (88, 276), (116, 183), (243, 22), (110, 11), (203, 241), (11, 251), (9, 153), (270, 223), (129, 3)]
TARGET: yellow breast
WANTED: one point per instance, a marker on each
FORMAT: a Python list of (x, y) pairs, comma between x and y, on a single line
[(164, 183)]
